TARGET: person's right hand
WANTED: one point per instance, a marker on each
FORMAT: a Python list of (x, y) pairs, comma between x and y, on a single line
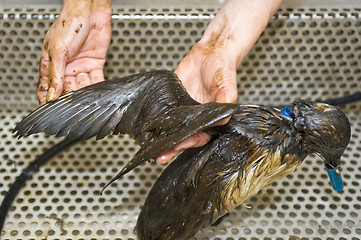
[(74, 49)]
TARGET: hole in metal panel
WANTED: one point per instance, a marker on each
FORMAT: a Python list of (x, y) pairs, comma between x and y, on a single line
[(303, 53)]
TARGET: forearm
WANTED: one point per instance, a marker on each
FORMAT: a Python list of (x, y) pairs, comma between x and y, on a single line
[(75, 5), (237, 26), (95, 6), (102, 4)]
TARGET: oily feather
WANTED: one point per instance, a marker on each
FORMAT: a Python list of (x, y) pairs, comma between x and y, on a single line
[(151, 107), (258, 146), (239, 163)]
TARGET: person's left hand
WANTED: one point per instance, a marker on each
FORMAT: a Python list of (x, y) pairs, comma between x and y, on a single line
[(209, 75)]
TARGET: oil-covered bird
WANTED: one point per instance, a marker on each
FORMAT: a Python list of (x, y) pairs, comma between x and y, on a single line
[(256, 147)]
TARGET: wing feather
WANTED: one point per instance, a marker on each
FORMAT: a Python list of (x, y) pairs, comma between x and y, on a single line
[(113, 121), (74, 114), (176, 128), (30, 124), (152, 107)]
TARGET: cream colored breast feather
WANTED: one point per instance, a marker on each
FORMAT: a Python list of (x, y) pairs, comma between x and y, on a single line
[(262, 169)]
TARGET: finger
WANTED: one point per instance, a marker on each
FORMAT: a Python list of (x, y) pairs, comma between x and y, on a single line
[(56, 72), (221, 122), (82, 80), (182, 71), (188, 73), (227, 94), (227, 85), (167, 156), (41, 96), (69, 84), (197, 140), (44, 62), (96, 76), (43, 83), (42, 89)]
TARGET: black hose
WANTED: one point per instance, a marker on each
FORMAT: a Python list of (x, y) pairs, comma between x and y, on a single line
[(27, 172), (336, 101), (344, 100)]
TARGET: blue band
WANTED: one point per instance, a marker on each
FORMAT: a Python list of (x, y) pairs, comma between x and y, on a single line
[(335, 178), (286, 111)]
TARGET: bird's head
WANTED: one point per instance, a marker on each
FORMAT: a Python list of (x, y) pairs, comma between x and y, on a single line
[(326, 130)]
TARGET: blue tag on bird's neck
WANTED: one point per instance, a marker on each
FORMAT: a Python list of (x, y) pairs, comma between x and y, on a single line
[(335, 178), (286, 111)]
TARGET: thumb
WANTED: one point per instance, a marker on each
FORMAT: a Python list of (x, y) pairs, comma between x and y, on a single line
[(226, 95), (227, 92)]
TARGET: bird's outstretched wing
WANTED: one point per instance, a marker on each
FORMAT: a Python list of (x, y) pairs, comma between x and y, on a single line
[(151, 107), (103, 108)]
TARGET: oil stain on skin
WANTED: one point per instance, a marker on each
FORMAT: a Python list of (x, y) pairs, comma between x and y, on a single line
[(78, 29), (217, 79), (217, 41), (46, 45), (217, 38)]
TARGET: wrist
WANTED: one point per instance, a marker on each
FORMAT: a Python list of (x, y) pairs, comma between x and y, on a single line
[(75, 9), (76, 5), (221, 42), (81, 7), (102, 6), (237, 26), (101, 13)]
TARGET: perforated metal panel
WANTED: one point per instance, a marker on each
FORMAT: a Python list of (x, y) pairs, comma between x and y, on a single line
[(309, 53)]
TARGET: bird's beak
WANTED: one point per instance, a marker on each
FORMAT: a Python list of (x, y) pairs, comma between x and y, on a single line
[(334, 173)]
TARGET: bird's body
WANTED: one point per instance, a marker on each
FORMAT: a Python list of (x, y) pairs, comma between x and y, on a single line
[(255, 148)]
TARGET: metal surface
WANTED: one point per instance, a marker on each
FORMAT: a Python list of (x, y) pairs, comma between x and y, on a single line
[(310, 53)]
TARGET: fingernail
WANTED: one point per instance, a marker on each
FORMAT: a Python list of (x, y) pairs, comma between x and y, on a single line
[(161, 159), (50, 95)]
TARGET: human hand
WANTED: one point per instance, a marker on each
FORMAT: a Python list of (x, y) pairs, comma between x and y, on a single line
[(208, 71), (209, 75), (74, 49)]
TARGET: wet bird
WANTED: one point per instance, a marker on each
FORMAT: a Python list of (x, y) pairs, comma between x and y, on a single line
[(256, 147)]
